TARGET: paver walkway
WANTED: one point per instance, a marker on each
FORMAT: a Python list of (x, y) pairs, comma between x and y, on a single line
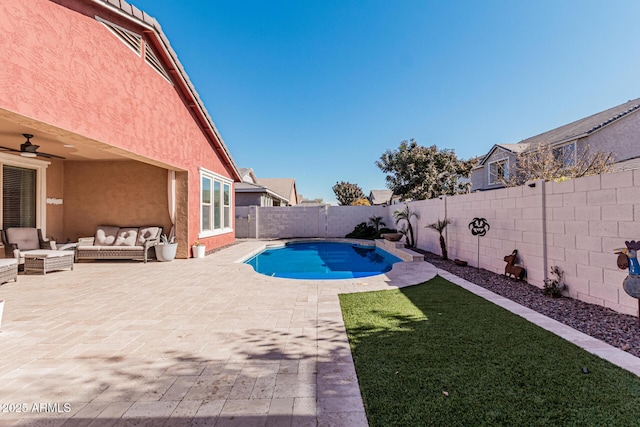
[(195, 342)]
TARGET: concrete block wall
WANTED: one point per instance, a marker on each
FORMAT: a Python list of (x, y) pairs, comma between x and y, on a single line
[(429, 211), (574, 224), (514, 216), (290, 221), (304, 221), (587, 219), (341, 220)]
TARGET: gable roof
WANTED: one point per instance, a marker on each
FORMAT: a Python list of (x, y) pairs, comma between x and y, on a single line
[(379, 197), (586, 126), (248, 175), (247, 187), (282, 186), (572, 131), (161, 46), (511, 148)]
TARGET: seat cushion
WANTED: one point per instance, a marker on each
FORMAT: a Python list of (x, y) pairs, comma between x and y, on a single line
[(45, 253), (108, 248), (25, 238), (145, 233), (106, 235), (126, 237)]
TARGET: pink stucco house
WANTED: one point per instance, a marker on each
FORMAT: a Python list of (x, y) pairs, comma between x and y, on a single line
[(98, 86)]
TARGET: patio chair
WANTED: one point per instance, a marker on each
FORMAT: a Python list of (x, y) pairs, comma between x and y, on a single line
[(17, 240)]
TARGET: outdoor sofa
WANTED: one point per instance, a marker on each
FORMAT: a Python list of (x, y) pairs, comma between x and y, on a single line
[(113, 242)]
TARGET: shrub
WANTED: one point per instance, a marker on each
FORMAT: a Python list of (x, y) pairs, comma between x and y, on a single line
[(362, 231), (369, 232), (555, 287)]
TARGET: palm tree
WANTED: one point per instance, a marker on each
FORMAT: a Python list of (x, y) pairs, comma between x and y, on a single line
[(406, 215), (439, 227), (377, 221)]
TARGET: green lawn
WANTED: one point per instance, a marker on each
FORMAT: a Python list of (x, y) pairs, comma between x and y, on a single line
[(413, 345)]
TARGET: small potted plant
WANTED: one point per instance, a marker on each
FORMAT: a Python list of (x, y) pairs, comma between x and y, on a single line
[(198, 249), (166, 249)]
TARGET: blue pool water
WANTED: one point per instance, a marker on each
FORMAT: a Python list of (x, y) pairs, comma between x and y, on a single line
[(322, 260)]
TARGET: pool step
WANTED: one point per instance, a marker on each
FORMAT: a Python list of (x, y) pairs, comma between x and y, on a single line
[(398, 249)]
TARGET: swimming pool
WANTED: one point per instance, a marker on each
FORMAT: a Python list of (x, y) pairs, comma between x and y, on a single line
[(322, 260)]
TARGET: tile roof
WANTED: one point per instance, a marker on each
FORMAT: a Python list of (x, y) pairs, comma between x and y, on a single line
[(246, 187), (570, 132), (281, 186), (625, 165), (586, 126)]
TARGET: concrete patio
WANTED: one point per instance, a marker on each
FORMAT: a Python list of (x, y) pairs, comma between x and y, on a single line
[(194, 342)]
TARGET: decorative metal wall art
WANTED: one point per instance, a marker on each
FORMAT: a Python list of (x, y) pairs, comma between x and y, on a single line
[(479, 227)]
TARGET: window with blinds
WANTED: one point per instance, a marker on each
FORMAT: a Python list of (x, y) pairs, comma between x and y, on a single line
[(18, 197)]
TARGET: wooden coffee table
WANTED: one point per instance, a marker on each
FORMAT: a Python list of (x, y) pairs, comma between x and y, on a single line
[(44, 260)]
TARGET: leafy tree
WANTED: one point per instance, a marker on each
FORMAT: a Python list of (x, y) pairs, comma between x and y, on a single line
[(417, 172), (555, 164), (439, 227), (376, 221), (407, 229), (347, 193)]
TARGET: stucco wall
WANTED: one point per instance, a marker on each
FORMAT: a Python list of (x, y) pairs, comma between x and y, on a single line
[(55, 199), (622, 138), (69, 71), (248, 199), (480, 176), (124, 193)]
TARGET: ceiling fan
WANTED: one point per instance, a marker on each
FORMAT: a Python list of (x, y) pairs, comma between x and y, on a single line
[(27, 149)]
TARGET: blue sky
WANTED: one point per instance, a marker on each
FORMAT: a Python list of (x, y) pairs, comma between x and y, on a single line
[(318, 90)]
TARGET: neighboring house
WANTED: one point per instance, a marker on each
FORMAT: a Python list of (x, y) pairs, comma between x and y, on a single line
[(98, 84), (380, 197), (383, 197), (310, 202), (616, 130), (285, 187), (253, 191)]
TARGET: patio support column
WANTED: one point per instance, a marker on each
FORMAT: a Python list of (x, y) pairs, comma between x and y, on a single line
[(181, 225)]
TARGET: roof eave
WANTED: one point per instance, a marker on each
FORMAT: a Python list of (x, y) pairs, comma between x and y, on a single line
[(185, 87), (495, 146)]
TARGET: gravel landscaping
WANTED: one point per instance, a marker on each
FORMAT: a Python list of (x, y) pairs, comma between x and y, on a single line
[(618, 330)]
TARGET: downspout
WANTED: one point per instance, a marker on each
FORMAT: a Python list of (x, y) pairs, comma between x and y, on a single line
[(543, 188), (446, 229)]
